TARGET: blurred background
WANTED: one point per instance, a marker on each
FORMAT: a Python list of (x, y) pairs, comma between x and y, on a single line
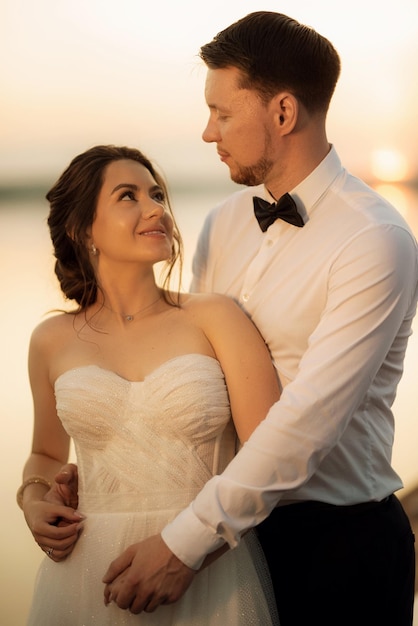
[(74, 74)]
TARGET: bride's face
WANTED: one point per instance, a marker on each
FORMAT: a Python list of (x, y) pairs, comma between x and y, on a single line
[(132, 221)]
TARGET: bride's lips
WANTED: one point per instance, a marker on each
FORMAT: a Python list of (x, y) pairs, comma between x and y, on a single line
[(153, 232)]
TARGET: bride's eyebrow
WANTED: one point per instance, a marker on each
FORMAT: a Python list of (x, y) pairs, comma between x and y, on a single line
[(125, 186)]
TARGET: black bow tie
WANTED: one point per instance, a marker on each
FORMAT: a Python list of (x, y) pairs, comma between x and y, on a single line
[(284, 208)]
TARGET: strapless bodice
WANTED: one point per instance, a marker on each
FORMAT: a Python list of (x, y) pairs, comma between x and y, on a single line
[(168, 432)]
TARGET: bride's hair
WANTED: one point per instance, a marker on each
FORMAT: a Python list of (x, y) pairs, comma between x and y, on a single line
[(73, 201)]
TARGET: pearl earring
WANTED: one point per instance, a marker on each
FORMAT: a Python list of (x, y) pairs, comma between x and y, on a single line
[(93, 249)]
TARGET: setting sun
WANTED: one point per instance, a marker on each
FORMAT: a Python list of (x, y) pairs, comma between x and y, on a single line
[(389, 165)]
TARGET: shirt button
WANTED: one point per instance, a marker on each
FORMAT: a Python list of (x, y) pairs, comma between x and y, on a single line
[(246, 297), (269, 243)]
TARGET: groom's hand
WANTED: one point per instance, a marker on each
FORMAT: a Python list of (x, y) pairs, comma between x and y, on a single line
[(145, 576)]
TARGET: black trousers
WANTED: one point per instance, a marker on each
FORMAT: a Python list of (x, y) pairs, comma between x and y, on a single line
[(341, 566)]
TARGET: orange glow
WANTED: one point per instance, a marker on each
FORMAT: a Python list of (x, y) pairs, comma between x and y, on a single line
[(389, 165)]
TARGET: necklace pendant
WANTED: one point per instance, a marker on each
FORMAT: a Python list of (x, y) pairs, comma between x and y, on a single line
[(129, 318)]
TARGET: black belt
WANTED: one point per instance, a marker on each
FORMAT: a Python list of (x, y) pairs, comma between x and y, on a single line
[(313, 506)]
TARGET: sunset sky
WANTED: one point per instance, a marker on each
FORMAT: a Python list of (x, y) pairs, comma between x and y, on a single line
[(125, 71)]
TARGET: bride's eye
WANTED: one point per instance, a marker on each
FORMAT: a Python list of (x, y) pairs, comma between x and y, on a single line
[(127, 195), (159, 196)]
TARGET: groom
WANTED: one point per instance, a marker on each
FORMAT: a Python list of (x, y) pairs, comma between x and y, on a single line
[(322, 275)]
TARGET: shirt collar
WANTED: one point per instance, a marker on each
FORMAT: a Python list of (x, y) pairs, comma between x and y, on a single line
[(309, 191)]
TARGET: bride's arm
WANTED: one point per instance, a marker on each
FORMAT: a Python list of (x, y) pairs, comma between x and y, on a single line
[(251, 378), (55, 527)]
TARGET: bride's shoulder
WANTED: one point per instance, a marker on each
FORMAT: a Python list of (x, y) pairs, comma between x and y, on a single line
[(53, 327)]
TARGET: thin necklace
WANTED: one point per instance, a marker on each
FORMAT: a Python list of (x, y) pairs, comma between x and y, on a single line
[(130, 316)]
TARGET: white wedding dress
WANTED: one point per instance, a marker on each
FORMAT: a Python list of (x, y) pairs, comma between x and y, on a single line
[(144, 450)]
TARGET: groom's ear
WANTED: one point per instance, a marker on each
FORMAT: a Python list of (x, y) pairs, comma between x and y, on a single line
[(285, 111)]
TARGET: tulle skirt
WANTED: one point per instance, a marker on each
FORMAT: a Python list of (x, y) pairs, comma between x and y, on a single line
[(235, 590)]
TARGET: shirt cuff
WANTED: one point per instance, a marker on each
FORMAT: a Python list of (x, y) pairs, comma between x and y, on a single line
[(189, 539)]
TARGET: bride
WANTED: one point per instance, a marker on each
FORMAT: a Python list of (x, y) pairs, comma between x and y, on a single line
[(154, 388)]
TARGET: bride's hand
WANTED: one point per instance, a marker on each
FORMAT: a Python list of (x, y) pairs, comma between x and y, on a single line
[(55, 528), (65, 488)]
